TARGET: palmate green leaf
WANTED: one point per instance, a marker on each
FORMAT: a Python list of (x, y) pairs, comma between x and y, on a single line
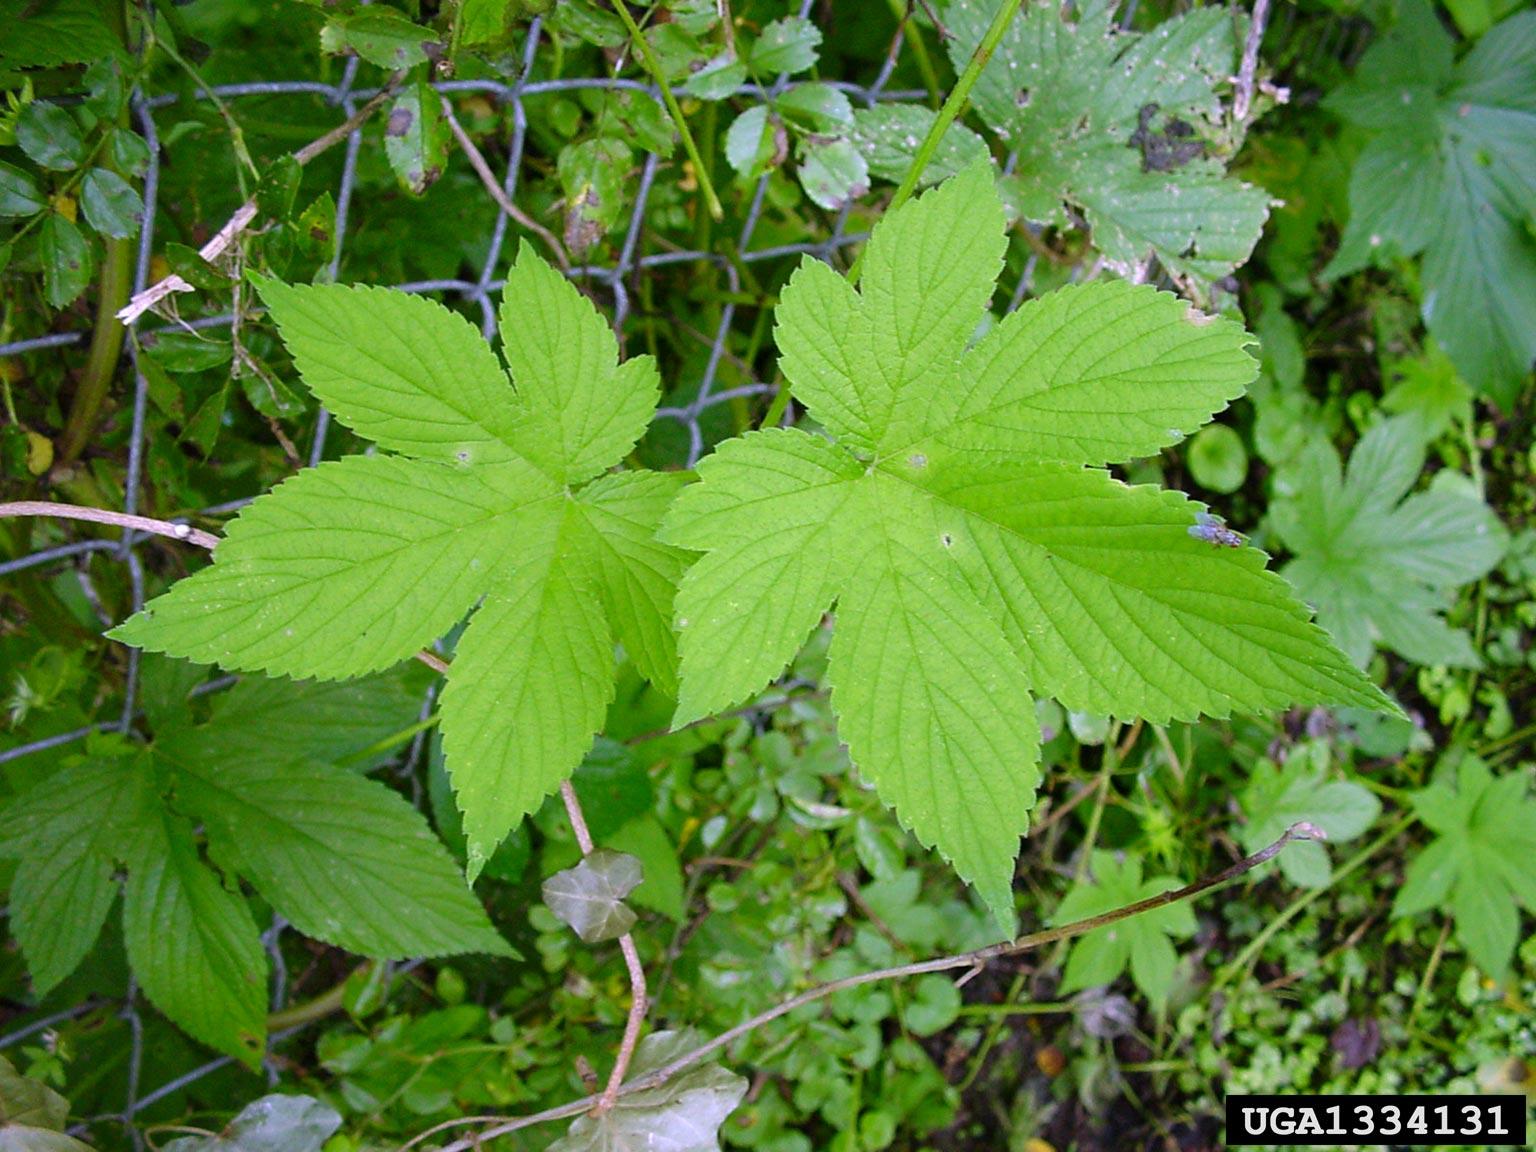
[(976, 554), (1450, 171), (1377, 562), (352, 566), (589, 898), (276, 1123), (1144, 943), (1119, 125), (1482, 865), (194, 947)]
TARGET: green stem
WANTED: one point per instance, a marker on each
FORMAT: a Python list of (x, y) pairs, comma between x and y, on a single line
[(959, 96), (326, 1004), (653, 66), (106, 348)]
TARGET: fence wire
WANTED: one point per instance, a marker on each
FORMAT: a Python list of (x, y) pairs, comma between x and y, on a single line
[(633, 260)]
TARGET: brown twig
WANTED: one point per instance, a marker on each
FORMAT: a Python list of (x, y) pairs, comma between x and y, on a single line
[(1242, 99), (979, 956), (488, 178), (118, 519), (143, 301), (167, 528), (638, 1000)]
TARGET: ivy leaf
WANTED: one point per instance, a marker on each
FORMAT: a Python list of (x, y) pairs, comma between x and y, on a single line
[(1123, 126), (495, 497), (1377, 562), (272, 1124), (590, 897), (194, 947), (1143, 942), (977, 554), (682, 1115), (1278, 796), (1482, 864), (1447, 173), (33, 1115)]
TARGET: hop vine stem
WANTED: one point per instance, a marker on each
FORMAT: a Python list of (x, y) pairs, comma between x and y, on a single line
[(972, 959)]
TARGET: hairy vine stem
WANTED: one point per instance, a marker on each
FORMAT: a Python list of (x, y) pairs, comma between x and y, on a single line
[(1242, 98), (639, 1000), (973, 959)]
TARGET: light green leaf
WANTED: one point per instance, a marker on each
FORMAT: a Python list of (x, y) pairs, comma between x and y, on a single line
[(684, 1114), (416, 137), (833, 172), (754, 143), (271, 1124), (969, 577), (647, 841), (401, 370), (889, 135), (1141, 943), (1483, 861), (352, 566), (581, 410), (1448, 172), (343, 569), (933, 1005), (1278, 796), (1375, 561), (342, 857), (1127, 127), (194, 948), (380, 36), (1217, 459), (818, 107), (788, 44)]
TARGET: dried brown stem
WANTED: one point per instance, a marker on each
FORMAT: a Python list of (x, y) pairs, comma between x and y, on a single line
[(1242, 99), (493, 186), (143, 301), (979, 956)]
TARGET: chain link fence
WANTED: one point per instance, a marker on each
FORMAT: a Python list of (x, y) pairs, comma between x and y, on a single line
[(616, 281)]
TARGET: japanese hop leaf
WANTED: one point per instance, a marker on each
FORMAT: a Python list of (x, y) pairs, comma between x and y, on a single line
[(979, 555), (487, 495)]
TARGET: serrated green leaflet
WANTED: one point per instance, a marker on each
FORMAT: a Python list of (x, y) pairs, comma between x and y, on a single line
[(1448, 172), (1375, 561), (1120, 125), (1279, 796), (1482, 864), (976, 553), (353, 566), (342, 857)]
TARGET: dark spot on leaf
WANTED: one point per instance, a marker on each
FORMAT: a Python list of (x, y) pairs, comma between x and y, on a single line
[(1023, 98), (400, 121), (947, 538)]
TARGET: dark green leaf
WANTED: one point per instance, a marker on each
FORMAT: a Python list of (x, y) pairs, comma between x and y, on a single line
[(590, 897), (19, 194), (271, 1124), (416, 138), (66, 260), (111, 204), (380, 36), (51, 136), (787, 45)]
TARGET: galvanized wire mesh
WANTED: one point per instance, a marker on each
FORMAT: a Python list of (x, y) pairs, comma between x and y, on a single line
[(615, 279)]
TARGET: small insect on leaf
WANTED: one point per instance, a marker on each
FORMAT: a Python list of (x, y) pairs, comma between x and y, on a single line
[(1211, 529)]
